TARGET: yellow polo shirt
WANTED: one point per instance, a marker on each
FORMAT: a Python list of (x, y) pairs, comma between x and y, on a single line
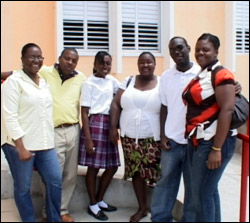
[(65, 95)]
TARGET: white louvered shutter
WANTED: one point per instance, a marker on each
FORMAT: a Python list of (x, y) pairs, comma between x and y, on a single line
[(242, 27), (140, 25), (85, 25)]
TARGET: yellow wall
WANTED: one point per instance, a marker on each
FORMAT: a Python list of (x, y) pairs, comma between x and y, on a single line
[(130, 67), (35, 21), (85, 65), (23, 22), (195, 18), (242, 73)]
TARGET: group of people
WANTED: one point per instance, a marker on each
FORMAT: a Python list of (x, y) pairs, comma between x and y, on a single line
[(170, 125)]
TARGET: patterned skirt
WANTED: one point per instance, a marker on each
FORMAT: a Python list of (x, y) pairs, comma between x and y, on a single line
[(106, 154), (143, 158)]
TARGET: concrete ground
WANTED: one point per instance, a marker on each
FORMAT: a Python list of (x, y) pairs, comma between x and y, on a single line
[(229, 190)]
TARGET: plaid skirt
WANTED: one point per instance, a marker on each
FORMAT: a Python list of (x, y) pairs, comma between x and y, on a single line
[(106, 154), (143, 157)]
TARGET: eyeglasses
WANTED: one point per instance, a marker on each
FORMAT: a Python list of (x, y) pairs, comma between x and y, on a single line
[(33, 58)]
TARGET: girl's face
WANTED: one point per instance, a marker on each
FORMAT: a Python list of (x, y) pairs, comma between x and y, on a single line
[(205, 53), (146, 65), (103, 69)]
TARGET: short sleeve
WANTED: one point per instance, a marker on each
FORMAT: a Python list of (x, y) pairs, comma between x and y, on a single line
[(223, 77), (116, 84), (162, 91), (86, 95)]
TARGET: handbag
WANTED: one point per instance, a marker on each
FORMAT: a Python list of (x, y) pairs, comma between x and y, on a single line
[(241, 107), (241, 112)]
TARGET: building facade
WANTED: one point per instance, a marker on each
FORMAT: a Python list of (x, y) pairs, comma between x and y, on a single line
[(125, 29)]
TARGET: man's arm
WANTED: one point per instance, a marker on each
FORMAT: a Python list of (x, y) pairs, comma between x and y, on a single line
[(5, 74)]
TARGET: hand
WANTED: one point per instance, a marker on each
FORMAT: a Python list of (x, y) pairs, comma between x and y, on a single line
[(238, 87), (114, 136), (214, 159), (25, 155), (90, 148), (165, 143)]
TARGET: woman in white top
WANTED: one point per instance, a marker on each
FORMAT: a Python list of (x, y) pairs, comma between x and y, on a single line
[(137, 104), (29, 137), (96, 151)]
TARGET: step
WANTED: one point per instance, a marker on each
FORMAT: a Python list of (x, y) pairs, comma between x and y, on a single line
[(120, 192)]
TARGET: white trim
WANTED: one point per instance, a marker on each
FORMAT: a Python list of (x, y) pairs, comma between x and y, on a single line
[(230, 52), (241, 19), (82, 13), (141, 20), (115, 35), (167, 32), (59, 29), (137, 53)]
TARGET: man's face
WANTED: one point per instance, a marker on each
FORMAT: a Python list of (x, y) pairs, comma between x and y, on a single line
[(68, 61), (179, 51)]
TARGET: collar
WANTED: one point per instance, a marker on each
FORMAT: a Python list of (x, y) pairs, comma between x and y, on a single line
[(187, 71), (213, 65), (209, 68), (56, 66)]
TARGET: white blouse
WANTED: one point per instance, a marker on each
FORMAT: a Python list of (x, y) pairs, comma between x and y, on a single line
[(97, 93), (140, 116), (27, 112)]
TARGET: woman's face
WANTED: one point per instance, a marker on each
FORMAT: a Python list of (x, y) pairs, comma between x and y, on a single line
[(103, 69), (146, 65), (32, 60), (205, 53)]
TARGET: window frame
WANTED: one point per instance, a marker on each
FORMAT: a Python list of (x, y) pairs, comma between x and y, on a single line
[(60, 34), (241, 17), (137, 29), (115, 34)]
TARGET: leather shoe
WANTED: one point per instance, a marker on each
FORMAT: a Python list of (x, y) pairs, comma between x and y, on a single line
[(100, 215), (67, 218), (109, 208)]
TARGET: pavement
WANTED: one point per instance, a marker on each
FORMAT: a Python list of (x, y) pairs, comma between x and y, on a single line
[(229, 192)]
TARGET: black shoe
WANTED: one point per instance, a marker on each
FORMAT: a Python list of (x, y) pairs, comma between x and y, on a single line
[(109, 208), (100, 215)]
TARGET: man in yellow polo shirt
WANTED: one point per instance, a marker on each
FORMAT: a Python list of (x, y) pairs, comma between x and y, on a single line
[(65, 85)]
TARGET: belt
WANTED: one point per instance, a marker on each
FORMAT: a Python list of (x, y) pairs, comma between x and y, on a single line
[(66, 125)]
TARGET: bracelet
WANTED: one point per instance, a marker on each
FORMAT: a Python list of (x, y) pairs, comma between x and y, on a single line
[(216, 148)]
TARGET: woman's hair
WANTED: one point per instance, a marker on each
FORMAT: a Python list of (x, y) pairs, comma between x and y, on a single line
[(27, 46), (99, 58), (211, 38), (143, 53)]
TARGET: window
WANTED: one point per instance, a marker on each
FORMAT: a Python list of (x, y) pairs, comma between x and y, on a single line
[(242, 26), (85, 25), (140, 25)]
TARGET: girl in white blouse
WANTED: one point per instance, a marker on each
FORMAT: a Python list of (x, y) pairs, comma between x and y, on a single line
[(137, 104), (96, 151)]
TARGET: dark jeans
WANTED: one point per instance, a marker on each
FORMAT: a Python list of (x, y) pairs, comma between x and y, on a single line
[(205, 181), (46, 163), (174, 163)]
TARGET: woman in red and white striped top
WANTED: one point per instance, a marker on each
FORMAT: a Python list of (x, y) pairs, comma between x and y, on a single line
[(211, 142)]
